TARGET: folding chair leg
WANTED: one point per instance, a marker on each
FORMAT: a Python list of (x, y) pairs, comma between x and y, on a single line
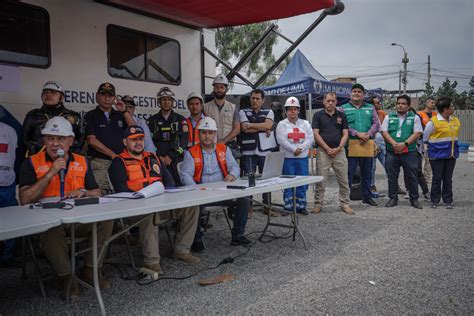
[(129, 250), (37, 270), (169, 237)]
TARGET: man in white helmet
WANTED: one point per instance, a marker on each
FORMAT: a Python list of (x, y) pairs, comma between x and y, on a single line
[(52, 97), (225, 113), (209, 162), (40, 178), (195, 107), (295, 137), (169, 132)]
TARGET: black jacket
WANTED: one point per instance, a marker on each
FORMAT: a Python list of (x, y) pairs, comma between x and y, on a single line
[(35, 121)]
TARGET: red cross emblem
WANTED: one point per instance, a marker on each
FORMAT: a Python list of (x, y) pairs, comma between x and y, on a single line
[(296, 135)]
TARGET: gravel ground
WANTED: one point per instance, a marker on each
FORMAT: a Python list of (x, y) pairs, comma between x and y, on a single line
[(378, 261)]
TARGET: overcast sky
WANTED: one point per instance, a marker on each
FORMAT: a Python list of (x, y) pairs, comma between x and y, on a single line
[(357, 42)]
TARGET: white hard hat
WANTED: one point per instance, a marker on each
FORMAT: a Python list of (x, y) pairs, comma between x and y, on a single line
[(292, 101), (53, 85), (193, 95), (207, 123), (166, 92), (220, 79), (58, 126)]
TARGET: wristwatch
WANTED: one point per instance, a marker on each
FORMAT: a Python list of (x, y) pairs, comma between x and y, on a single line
[(406, 144), (83, 191)]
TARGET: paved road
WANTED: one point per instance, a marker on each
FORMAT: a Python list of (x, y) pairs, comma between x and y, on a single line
[(378, 261)]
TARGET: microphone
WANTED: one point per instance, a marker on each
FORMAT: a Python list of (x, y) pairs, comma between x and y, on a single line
[(62, 174)]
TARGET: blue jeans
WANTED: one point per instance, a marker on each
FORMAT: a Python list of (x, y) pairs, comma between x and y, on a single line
[(381, 156), (365, 164), (297, 167), (240, 217), (250, 163), (7, 198)]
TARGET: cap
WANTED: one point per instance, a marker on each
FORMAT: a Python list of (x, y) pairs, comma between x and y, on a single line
[(292, 101), (220, 79), (358, 86), (53, 85), (207, 123), (128, 100), (133, 131), (166, 92), (193, 95), (58, 126), (106, 87)]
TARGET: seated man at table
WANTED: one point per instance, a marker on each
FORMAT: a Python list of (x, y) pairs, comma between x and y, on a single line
[(209, 162), (134, 169), (40, 178)]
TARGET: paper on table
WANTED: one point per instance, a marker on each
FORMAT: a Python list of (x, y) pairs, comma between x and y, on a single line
[(153, 189), (265, 142), (176, 190)]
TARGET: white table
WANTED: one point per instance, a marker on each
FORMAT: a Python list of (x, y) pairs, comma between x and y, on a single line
[(203, 194), (19, 221)]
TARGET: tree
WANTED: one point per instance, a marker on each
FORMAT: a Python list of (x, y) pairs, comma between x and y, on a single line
[(470, 97), (233, 42)]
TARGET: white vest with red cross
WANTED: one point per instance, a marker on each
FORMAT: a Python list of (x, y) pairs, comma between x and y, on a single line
[(291, 136)]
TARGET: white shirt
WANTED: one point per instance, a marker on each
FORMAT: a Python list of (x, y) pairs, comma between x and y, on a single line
[(244, 118), (417, 127), (293, 136), (8, 142)]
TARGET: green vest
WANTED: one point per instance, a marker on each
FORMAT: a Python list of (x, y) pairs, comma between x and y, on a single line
[(359, 119), (400, 135)]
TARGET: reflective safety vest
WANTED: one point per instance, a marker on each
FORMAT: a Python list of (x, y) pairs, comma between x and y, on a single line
[(425, 118), (401, 134), (359, 119), (249, 141), (443, 142), (193, 132), (196, 153), (141, 173), (75, 174)]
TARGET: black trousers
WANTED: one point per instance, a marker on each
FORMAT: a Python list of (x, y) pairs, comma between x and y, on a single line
[(442, 183), (421, 176), (409, 163)]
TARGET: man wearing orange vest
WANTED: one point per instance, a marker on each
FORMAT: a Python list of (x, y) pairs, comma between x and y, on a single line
[(135, 169), (209, 162), (40, 178), (194, 102), (426, 115)]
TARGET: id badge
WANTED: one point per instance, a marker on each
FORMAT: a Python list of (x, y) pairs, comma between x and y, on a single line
[(399, 133)]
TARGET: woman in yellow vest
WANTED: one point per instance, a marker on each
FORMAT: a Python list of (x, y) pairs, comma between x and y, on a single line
[(441, 133)]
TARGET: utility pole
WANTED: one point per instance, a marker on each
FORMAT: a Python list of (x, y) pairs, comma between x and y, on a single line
[(405, 61), (429, 70), (400, 83)]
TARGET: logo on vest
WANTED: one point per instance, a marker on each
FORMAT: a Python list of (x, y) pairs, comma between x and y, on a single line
[(156, 168), (76, 167), (120, 123), (42, 169)]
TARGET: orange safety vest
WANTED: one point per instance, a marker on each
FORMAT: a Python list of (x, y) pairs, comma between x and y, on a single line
[(141, 173), (196, 153), (382, 115), (425, 118), (75, 175), (193, 133)]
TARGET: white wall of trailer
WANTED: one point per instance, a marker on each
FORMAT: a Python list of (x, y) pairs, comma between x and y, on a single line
[(78, 37)]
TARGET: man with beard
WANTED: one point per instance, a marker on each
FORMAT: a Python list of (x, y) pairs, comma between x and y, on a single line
[(225, 113), (401, 131), (135, 169), (195, 107), (52, 97), (169, 132)]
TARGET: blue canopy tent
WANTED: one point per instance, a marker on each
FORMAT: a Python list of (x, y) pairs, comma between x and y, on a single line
[(300, 78)]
